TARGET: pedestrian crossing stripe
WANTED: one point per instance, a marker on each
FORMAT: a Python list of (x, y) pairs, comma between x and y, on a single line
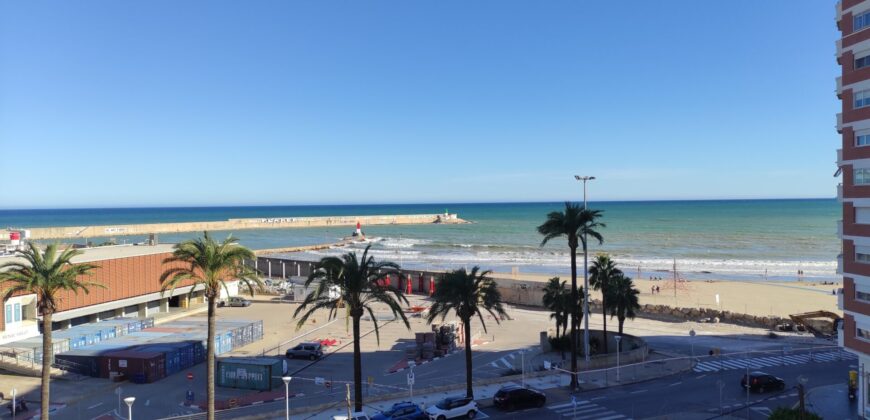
[(585, 410), (762, 362)]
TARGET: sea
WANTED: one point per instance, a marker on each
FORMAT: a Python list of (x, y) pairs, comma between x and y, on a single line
[(746, 240)]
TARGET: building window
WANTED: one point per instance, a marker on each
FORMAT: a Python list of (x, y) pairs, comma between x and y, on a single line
[(862, 99), (17, 311), (9, 318), (862, 177), (861, 21), (862, 138), (862, 62), (862, 296), (863, 334)]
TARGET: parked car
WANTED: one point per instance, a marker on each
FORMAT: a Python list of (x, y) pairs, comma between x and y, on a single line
[(513, 397), (402, 411), (452, 407), (359, 415), (761, 382), (310, 351), (236, 301)]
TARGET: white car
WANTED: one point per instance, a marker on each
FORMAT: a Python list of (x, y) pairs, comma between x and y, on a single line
[(359, 415), (452, 407)]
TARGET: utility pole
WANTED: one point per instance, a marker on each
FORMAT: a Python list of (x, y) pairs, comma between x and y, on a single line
[(585, 179)]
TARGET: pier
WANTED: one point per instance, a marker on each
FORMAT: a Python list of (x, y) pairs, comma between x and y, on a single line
[(69, 232)]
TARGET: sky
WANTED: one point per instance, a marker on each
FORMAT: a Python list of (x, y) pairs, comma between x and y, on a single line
[(199, 103)]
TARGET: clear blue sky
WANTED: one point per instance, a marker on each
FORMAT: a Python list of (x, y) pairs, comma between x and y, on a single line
[(107, 103)]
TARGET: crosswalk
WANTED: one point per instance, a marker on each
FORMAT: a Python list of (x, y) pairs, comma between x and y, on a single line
[(761, 362), (506, 362), (586, 410)]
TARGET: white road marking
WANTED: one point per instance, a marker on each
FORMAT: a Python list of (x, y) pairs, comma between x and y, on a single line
[(95, 406), (676, 383), (640, 391)]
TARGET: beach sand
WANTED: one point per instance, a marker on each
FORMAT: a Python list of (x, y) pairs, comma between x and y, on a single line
[(755, 298)]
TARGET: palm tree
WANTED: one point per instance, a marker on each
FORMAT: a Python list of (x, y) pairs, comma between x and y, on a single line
[(576, 223), (554, 300), (622, 296), (359, 282), (467, 294), (206, 263), (45, 274), (602, 271)]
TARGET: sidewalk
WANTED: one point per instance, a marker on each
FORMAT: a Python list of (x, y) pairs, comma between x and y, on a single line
[(832, 402)]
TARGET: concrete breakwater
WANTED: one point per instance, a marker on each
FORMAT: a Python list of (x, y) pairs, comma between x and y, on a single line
[(63, 232)]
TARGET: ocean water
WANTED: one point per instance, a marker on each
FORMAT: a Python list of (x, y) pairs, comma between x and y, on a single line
[(727, 239)]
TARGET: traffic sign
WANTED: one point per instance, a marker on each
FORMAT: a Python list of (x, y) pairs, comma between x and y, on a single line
[(573, 400), (189, 376), (233, 402), (329, 384), (411, 378), (371, 380), (319, 381)]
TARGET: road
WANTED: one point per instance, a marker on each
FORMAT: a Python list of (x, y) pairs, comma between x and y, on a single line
[(690, 392)]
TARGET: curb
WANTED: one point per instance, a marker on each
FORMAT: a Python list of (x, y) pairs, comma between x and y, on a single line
[(391, 371)]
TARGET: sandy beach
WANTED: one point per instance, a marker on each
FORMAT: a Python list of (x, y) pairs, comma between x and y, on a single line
[(755, 298)]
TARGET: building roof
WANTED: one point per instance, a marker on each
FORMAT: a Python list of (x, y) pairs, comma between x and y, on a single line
[(102, 253)]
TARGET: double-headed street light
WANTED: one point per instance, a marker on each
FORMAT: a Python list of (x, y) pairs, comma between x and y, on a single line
[(585, 179), (287, 380)]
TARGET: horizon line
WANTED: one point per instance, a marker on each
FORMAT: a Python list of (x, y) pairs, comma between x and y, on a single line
[(409, 204)]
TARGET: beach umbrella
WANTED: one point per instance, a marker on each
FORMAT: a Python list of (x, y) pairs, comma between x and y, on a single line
[(431, 285), (408, 285), (420, 283), (389, 281)]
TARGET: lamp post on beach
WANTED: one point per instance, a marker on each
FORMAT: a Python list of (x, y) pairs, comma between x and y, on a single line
[(585, 179)]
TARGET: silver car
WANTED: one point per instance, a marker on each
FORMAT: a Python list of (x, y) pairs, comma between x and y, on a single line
[(310, 351)]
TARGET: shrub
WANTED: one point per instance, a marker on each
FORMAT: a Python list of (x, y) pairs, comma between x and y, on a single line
[(783, 413)]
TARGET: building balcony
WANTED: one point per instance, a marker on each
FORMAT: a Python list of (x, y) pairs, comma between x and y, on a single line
[(841, 334), (840, 193), (839, 157), (839, 86), (839, 122), (840, 229), (839, 44), (838, 10), (840, 296), (840, 264)]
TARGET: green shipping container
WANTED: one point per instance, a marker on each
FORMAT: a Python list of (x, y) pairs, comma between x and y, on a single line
[(259, 373)]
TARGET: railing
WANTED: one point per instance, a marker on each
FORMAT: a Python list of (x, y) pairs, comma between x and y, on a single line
[(840, 229), (839, 89), (840, 192), (840, 295), (839, 44), (838, 10), (839, 122)]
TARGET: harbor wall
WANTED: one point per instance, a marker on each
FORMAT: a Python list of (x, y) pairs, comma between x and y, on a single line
[(239, 224)]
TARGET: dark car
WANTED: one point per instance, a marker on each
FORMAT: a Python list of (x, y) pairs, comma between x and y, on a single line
[(310, 351), (761, 382), (402, 411), (514, 397)]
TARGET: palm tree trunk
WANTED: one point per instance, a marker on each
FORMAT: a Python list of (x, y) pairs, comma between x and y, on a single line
[(574, 314), (46, 364), (621, 322), (604, 310), (357, 366), (469, 391), (209, 376)]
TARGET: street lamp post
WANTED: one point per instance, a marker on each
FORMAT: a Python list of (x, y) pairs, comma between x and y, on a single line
[(14, 401), (618, 339), (585, 179), (802, 383), (129, 401), (692, 342), (286, 380)]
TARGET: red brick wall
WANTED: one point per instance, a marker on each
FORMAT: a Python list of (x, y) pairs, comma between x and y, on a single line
[(849, 339), (849, 301)]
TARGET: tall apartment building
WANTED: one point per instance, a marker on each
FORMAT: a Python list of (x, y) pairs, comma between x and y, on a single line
[(853, 88)]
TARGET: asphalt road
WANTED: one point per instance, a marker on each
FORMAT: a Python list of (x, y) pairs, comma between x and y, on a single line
[(690, 392)]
